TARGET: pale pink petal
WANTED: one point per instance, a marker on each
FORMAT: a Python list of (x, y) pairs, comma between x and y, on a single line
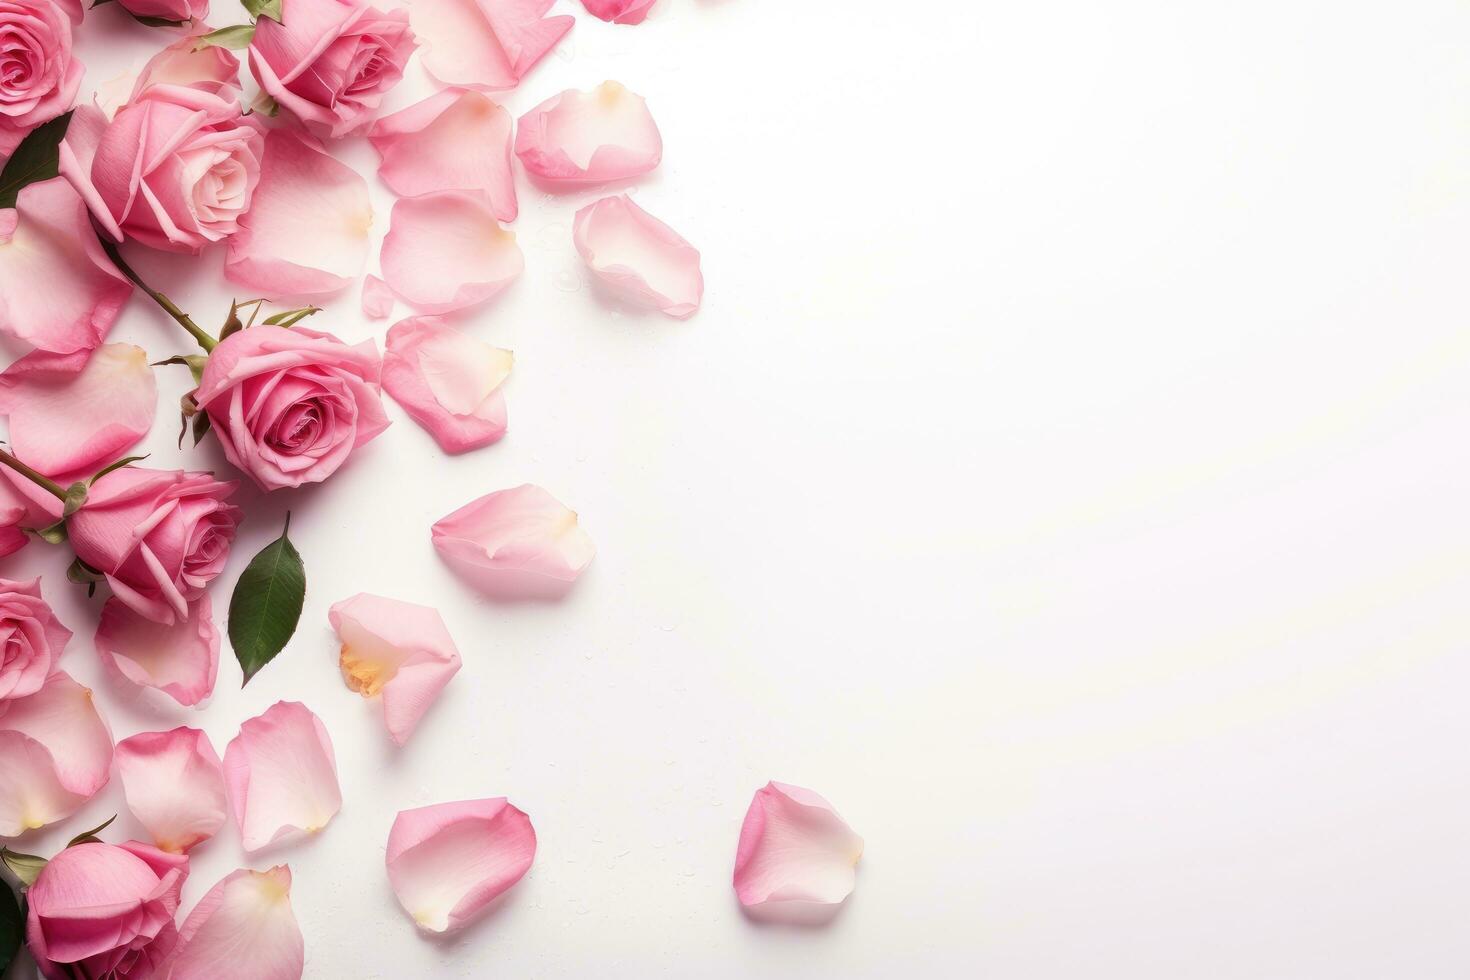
[(398, 649), (174, 786), (619, 11), (578, 138), (455, 140), (186, 62), (180, 659), (446, 251), (639, 257), (447, 862), (485, 44), (281, 775), (306, 232), (515, 542), (55, 754), (242, 929), (794, 848), (448, 380), (72, 414), (58, 291), (377, 298)]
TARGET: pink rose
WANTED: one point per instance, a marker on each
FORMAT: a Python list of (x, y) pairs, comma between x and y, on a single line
[(38, 75), (330, 61), (289, 406), (178, 11), (175, 168), (158, 536), (30, 639), (104, 910), (185, 62)]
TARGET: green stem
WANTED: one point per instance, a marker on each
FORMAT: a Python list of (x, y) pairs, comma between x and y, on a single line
[(39, 479), (199, 334)]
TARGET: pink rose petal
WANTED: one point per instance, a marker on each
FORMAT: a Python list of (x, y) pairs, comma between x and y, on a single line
[(242, 929), (72, 414), (455, 140), (449, 382), (181, 659), (58, 291), (579, 138), (515, 542), (185, 62), (619, 11), (306, 232), (174, 786), (447, 862), (281, 775), (377, 298), (445, 251), (794, 848), (55, 753), (485, 44), (638, 256), (398, 649)]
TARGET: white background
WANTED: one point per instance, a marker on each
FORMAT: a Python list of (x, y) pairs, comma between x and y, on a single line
[(1066, 476)]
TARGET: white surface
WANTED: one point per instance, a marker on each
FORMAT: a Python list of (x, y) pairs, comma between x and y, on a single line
[(1066, 476)]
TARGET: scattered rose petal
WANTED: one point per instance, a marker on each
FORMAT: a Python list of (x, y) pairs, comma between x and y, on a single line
[(455, 140), (794, 848), (307, 231), (58, 291), (181, 659), (281, 775), (619, 11), (377, 298), (210, 67), (638, 256), (515, 542), (447, 862), (397, 649), (578, 138), (485, 44), (55, 752), (445, 251), (242, 929), (31, 639), (174, 786), (72, 414), (448, 381)]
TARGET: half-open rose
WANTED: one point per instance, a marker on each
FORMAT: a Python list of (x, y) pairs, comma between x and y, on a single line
[(31, 639), (38, 75)]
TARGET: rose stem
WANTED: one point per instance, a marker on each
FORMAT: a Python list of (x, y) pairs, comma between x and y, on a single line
[(38, 478), (205, 340)]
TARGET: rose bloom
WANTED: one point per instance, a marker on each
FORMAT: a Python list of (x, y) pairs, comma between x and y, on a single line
[(104, 911), (30, 639), (38, 75), (174, 10), (158, 536), (174, 169), (329, 62), (290, 405)]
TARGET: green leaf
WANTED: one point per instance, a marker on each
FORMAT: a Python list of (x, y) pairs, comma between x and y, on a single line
[(266, 604), (235, 37), (25, 867), (194, 362), (33, 160), (11, 927), (125, 461), (263, 8), (52, 533), (289, 318), (90, 836)]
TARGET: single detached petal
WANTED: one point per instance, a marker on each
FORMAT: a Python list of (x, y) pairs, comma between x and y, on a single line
[(174, 786), (242, 929), (578, 138), (455, 140), (281, 775), (55, 753), (377, 298), (485, 44), (448, 380), (638, 256), (397, 649), (794, 848), (447, 862), (515, 542), (72, 414), (446, 251), (619, 11), (306, 232), (58, 291), (180, 659)]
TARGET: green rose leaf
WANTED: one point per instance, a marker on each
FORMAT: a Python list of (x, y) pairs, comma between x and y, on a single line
[(289, 318), (25, 867), (11, 927), (266, 605), (33, 160), (235, 37), (263, 8)]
